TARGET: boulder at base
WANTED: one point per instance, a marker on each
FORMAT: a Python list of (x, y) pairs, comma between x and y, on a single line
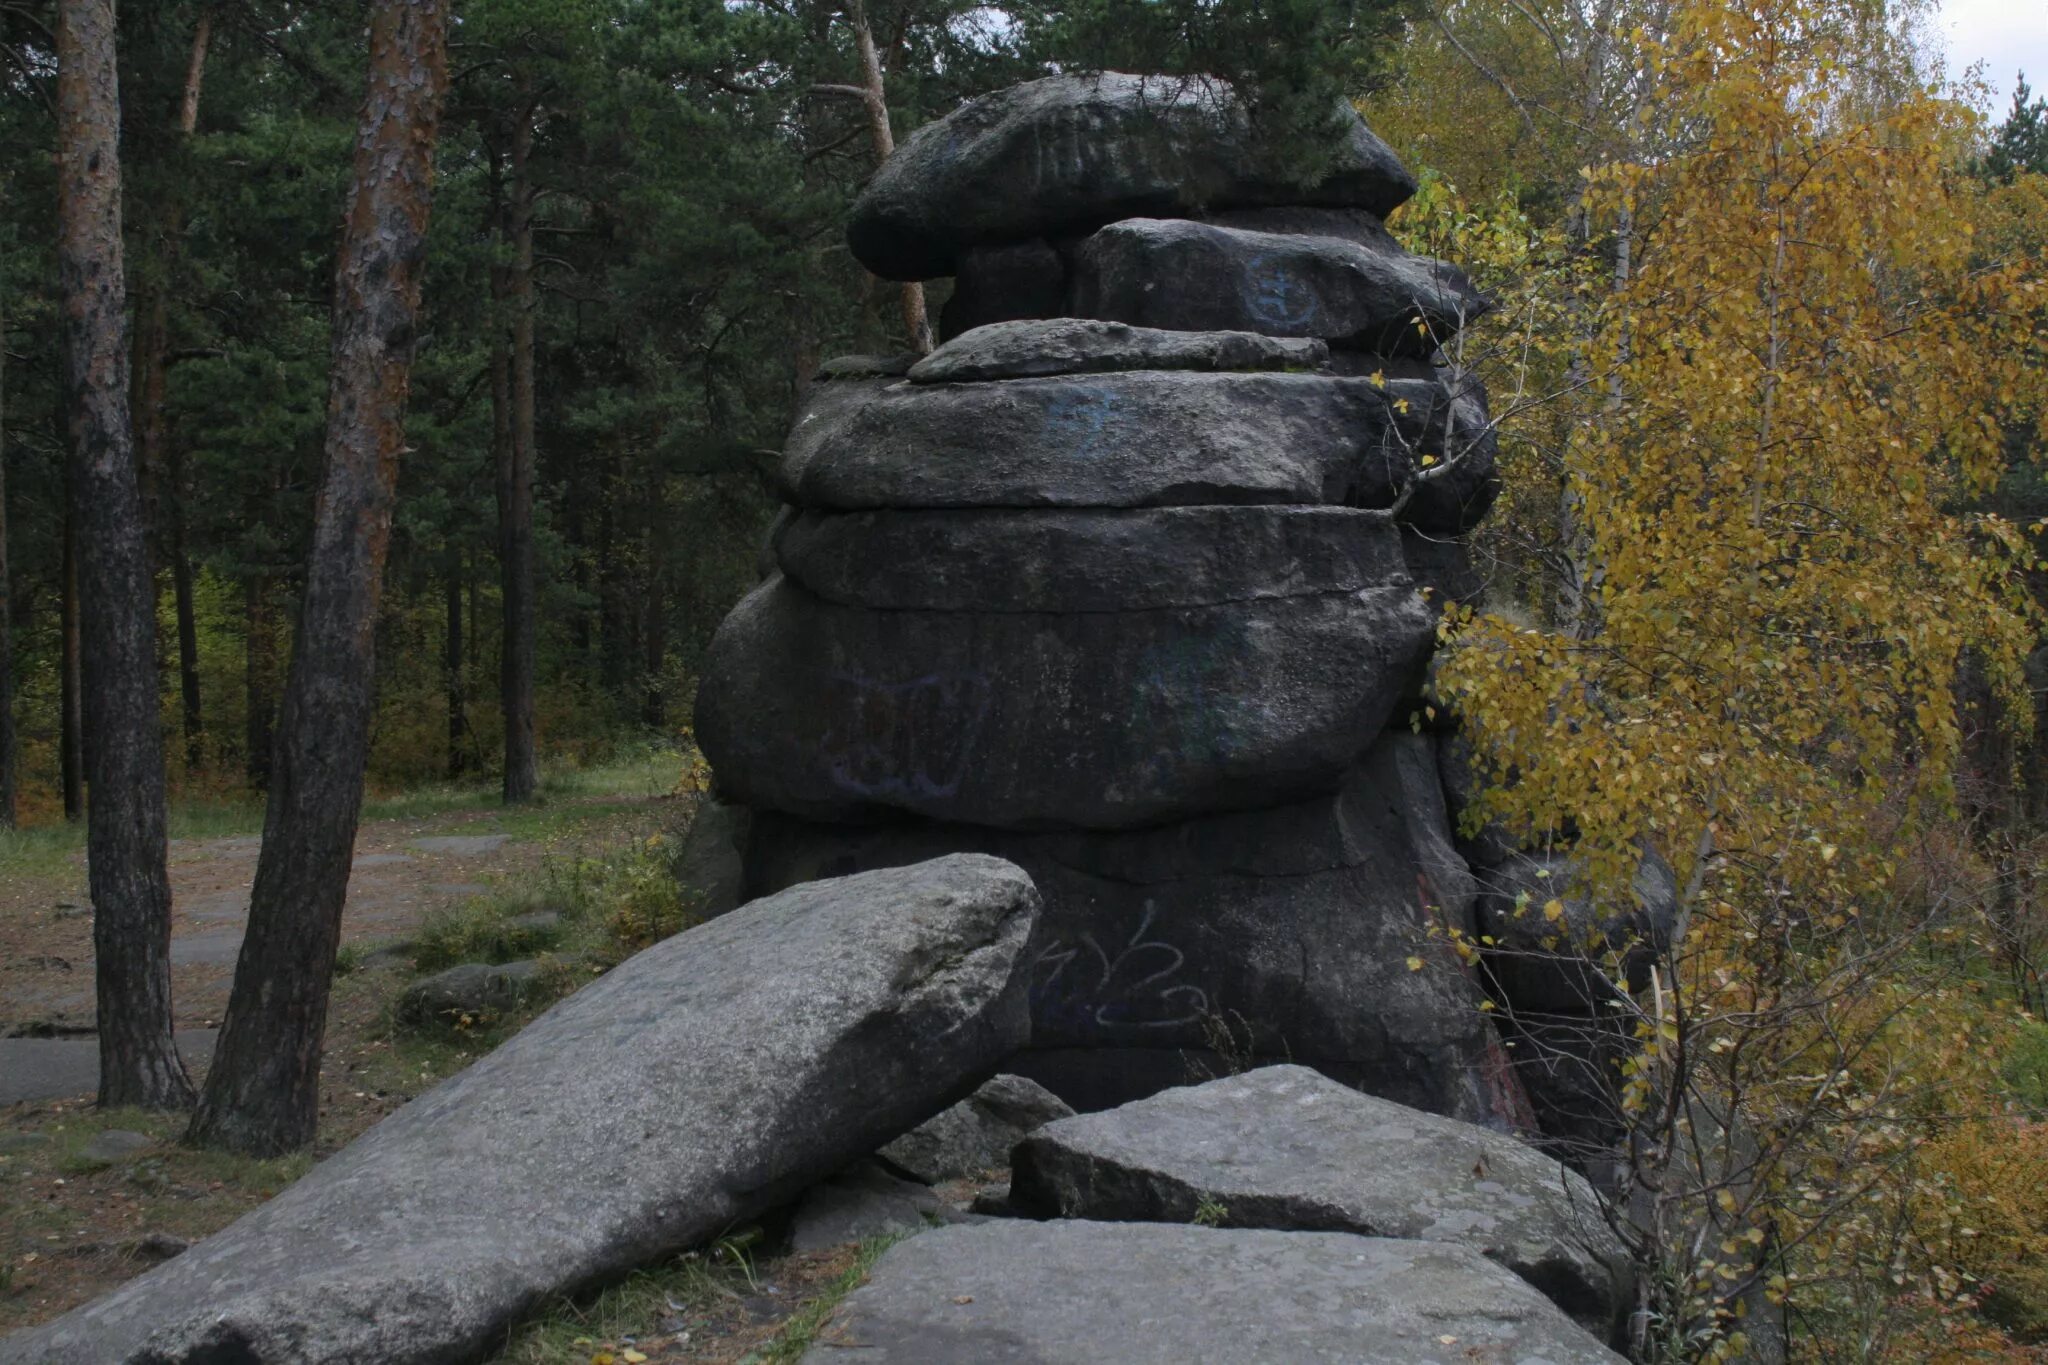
[(709, 1078), (1145, 438), (976, 1134), (1092, 720), (1283, 1147), (1073, 152), (1158, 1294), (1282, 934), (1169, 272)]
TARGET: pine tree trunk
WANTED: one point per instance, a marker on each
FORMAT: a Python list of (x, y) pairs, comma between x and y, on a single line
[(515, 480), (8, 744), (262, 1094), (910, 294), (70, 685), (125, 822)]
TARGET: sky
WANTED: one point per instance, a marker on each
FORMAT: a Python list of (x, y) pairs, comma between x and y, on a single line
[(2007, 35)]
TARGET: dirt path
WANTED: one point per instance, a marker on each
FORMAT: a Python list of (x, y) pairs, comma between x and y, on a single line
[(404, 870)]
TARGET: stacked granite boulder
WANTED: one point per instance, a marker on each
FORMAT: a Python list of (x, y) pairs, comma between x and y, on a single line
[(1125, 582)]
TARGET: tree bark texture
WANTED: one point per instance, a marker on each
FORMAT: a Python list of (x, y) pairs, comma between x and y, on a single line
[(515, 482), (262, 1094), (125, 820)]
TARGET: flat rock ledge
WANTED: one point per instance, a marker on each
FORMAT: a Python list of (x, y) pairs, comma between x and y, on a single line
[(1285, 1147), (1155, 1294), (712, 1077), (1035, 349)]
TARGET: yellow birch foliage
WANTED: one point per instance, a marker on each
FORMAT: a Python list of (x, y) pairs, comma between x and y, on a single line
[(1809, 367), (1787, 400)]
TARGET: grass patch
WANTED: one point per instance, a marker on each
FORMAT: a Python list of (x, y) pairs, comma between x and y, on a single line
[(606, 905), (573, 1331), (704, 1293), (801, 1331), (2025, 1069), (569, 797)]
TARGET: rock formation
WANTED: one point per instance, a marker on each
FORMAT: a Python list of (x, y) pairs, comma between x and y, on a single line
[(1133, 582)]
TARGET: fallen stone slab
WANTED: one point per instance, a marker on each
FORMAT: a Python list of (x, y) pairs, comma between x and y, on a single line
[(1095, 720), (712, 1077), (1086, 559), (1156, 1294), (58, 1068), (1142, 438), (1284, 1147), (976, 1134), (1173, 273), (860, 1202), (1068, 152), (1035, 349)]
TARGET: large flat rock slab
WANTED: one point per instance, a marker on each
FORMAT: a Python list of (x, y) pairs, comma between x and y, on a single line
[(711, 1077), (1087, 559), (1199, 277), (1094, 720), (1068, 152), (1288, 929), (1145, 438), (1062, 1292), (1284, 1147)]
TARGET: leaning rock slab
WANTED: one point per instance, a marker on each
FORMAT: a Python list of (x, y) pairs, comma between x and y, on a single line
[(711, 1077), (1283, 1147), (1070, 152), (1063, 559), (1147, 438), (1169, 272), (1033, 350), (976, 1134), (1157, 1294), (1093, 720)]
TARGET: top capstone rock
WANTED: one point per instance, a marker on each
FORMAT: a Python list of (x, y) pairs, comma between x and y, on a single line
[(1070, 153)]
